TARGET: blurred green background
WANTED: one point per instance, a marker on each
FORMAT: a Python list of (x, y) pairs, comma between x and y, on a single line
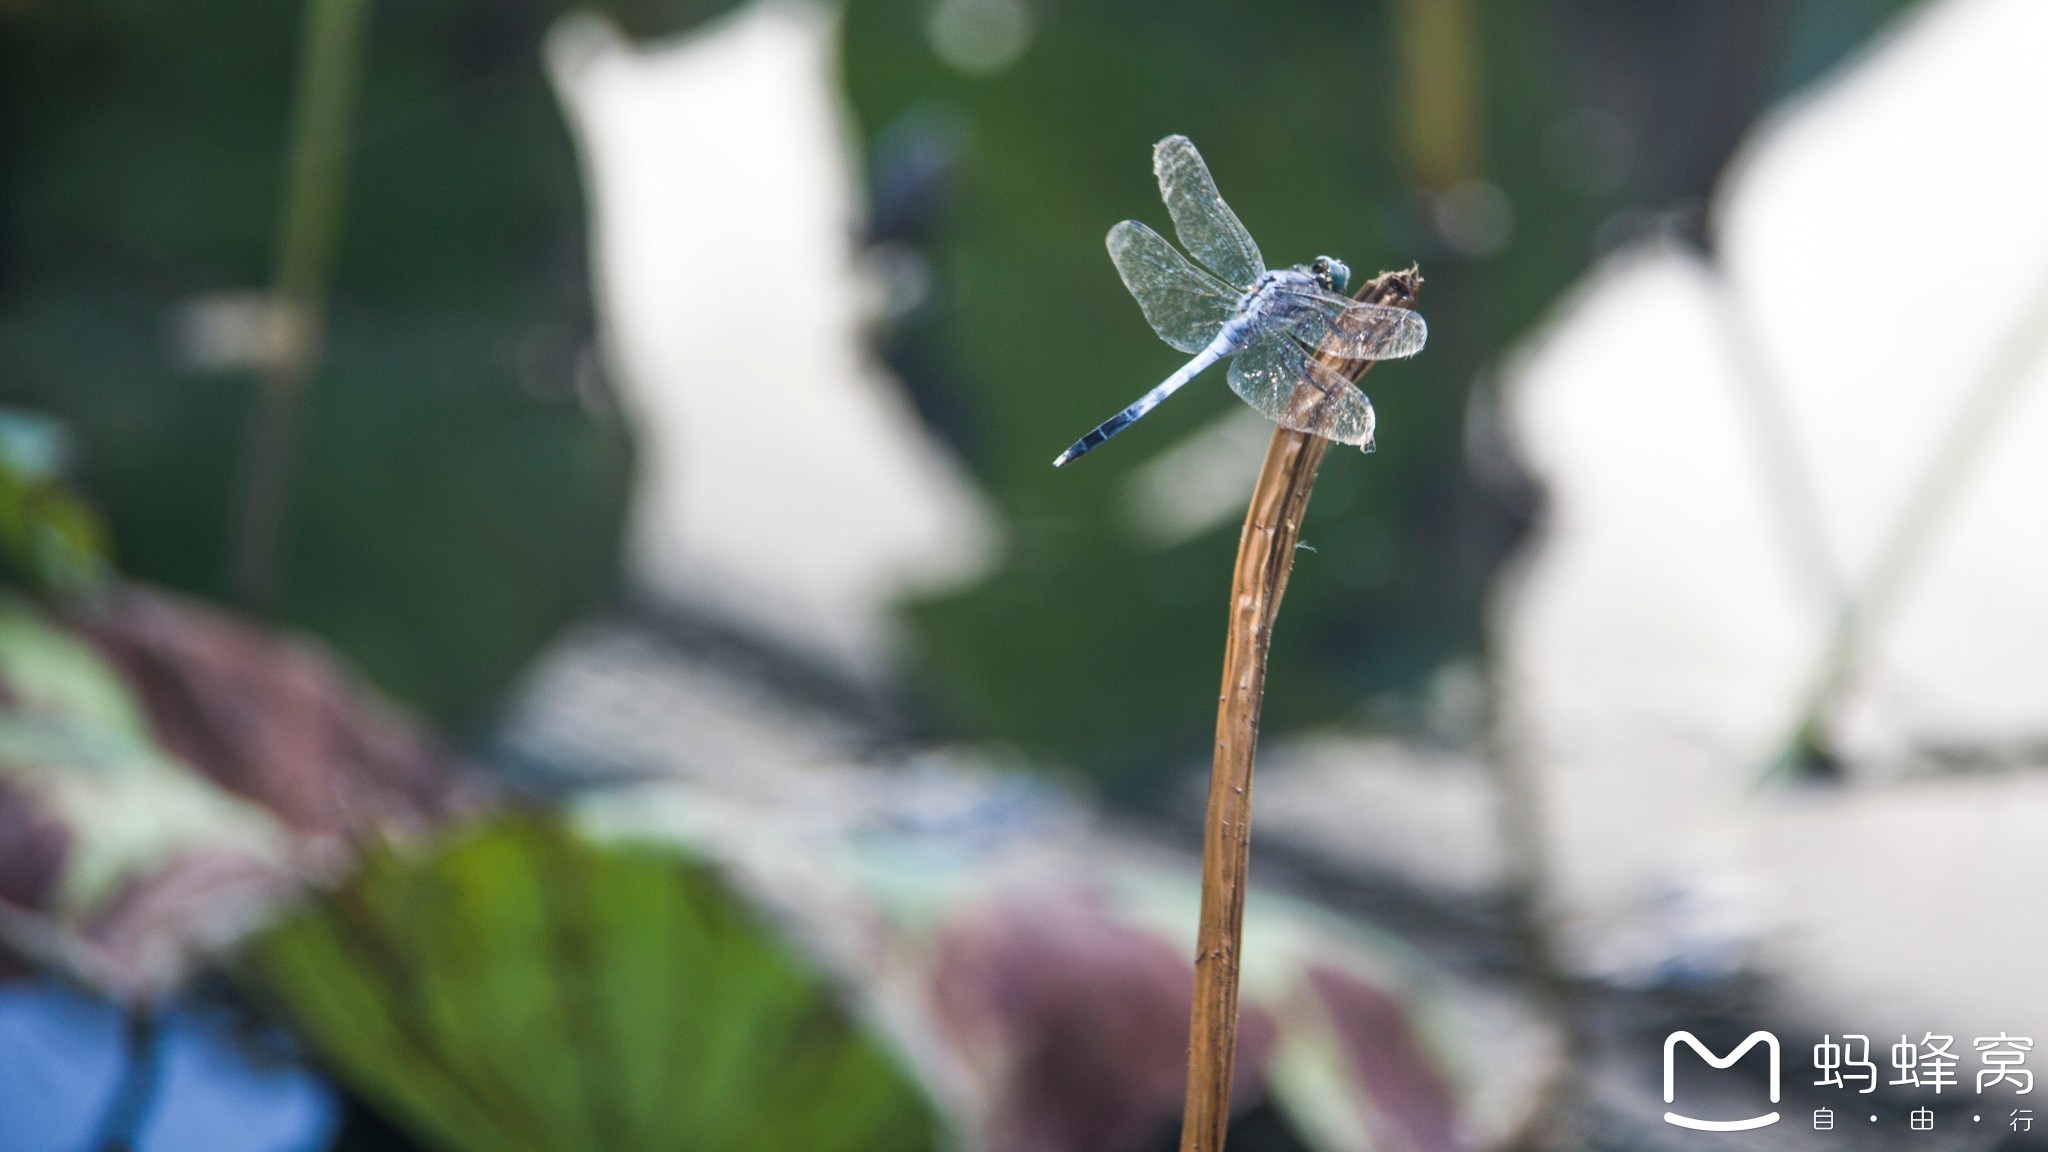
[(458, 492)]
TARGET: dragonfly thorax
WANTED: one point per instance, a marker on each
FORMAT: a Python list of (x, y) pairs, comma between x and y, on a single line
[(1276, 299)]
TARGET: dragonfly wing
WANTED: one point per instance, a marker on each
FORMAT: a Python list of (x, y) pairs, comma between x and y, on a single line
[(1184, 304), (1278, 377), (1206, 225), (1353, 329)]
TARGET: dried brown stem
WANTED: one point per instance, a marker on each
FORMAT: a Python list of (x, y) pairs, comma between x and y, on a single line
[(1265, 556)]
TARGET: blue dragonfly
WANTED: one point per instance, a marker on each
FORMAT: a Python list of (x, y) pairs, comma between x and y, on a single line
[(1271, 322)]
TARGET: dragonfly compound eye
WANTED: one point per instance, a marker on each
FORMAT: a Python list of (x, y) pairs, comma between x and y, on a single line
[(1333, 273)]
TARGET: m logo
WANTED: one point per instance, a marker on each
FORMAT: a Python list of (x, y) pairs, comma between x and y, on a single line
[(1671, 1043)]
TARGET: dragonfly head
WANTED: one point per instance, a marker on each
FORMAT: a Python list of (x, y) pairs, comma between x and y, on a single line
[(1330, 272)]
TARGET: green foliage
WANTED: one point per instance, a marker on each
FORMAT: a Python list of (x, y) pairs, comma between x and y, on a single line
[(521, 988), (51, 543), (455, 496)]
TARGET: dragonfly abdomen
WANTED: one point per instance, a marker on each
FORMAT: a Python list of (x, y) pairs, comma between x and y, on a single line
[(1225, 344)]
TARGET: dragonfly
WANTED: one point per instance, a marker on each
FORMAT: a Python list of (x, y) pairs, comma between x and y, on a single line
[(1269, 324)]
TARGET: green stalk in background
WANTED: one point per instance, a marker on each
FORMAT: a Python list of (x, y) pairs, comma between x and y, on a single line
[(1441, 111), (329, 66), (1869, 607)]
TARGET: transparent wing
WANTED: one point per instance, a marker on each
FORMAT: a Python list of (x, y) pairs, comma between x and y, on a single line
[(1278, 377), (1207, 227), (1353, 329), (1184, 304)]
